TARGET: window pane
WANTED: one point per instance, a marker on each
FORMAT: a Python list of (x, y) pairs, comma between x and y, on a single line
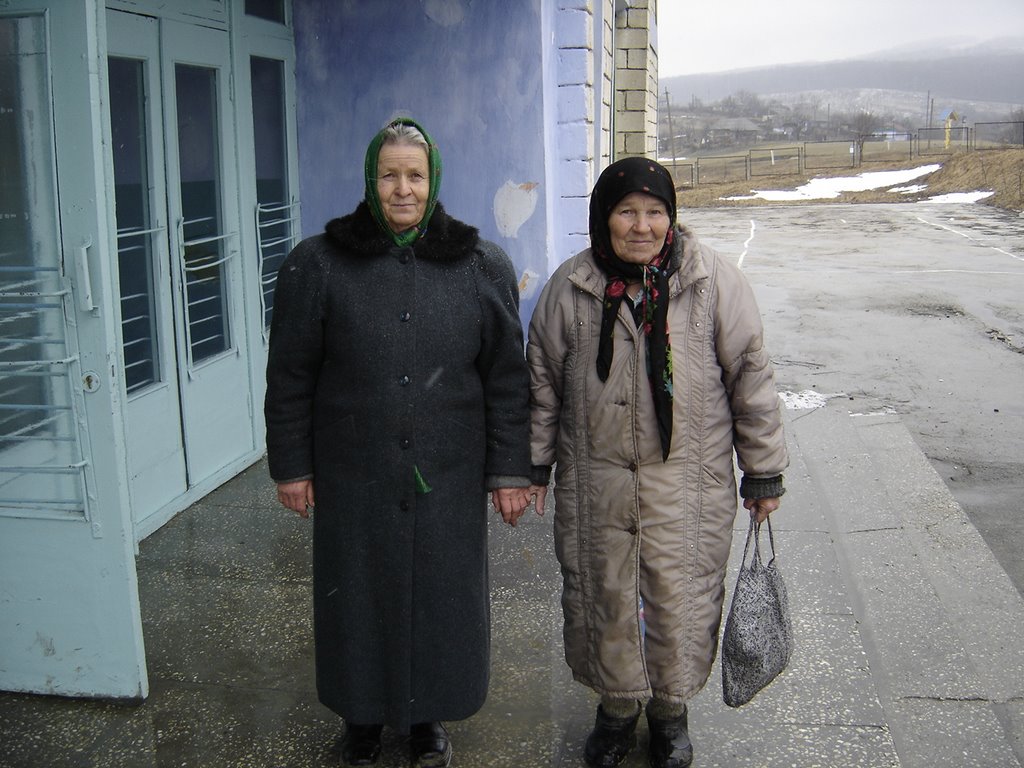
[(271, 10), (202, 232), (275, 211), (134, 222), (40, 458)]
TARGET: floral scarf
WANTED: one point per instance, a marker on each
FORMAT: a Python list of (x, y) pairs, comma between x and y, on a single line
[(637, 174)]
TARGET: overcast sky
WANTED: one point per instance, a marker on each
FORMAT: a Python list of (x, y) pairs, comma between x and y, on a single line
[(698, 36)]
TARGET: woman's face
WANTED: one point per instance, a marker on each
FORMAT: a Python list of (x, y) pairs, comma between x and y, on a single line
[(403, 184), (638, 224)]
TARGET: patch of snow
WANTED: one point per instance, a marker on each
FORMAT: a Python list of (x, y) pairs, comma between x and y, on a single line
[(911, 189), (829, 188), (886, 411), (960, 197), (806, 400)]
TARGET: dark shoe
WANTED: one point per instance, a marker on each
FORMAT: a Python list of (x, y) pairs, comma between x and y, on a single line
[(610, 741), (670, 745), (430, 745), (361, 745)]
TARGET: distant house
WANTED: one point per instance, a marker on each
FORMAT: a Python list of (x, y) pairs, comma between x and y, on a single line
[(727, 131)]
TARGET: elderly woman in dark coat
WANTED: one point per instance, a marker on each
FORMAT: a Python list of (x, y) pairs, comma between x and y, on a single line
[(397, 396)]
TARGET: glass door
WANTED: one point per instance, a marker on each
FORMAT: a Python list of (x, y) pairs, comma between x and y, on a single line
[(206, 262), (183, 338), (156, 454)]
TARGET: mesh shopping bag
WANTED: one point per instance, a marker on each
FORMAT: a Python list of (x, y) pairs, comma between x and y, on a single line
[(758, 637)]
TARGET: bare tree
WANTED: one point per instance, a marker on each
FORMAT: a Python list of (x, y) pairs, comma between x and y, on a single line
[(864, 124)]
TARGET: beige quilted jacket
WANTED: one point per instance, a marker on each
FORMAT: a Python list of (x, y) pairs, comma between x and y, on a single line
[(643, 543)]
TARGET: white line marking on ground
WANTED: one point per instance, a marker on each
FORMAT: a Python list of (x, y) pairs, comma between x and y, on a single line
[(746, 245), (956, 271), (969, 237)]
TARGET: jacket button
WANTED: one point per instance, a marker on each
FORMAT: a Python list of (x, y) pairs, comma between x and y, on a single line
[(632, 529), (404, 257), (632, 466), (403, 505), (405, 442), (404, 380), (405, 317)]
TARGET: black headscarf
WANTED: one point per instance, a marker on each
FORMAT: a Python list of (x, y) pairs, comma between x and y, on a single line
[(637, 174)]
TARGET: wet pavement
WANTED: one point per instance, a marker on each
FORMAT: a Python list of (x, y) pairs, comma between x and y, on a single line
[(911, 309), (907, 637), (908, 628)]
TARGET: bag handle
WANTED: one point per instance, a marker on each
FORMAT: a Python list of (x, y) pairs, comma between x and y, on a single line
[(754, 532)]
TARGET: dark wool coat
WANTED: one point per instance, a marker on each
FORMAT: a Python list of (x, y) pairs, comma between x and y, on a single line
[(382, 359)]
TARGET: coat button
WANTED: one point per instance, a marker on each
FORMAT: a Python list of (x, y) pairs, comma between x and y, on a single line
[(404, 257), (632, 529), (403, 505), (405, 317), (632, 466), (405, 442), (404, 380)]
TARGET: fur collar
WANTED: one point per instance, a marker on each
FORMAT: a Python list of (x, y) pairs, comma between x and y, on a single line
[(447, 239)]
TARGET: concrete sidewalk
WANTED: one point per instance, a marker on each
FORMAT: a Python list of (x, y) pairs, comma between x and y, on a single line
[(909, 637)]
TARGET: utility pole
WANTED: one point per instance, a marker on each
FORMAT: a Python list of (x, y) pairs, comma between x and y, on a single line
[(671, 132)]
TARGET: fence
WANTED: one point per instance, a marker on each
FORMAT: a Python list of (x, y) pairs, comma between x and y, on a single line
[(998, 135), (774, 162), (887, 148), (830, 154), (720, 169), (848, 153), (942, 141)]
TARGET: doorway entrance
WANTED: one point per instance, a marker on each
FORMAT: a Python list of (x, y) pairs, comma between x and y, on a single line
[(183, 324)]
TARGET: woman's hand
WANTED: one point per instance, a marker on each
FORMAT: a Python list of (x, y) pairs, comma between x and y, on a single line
[(760, 508), (538, 493), (510, 503), (297, 496)]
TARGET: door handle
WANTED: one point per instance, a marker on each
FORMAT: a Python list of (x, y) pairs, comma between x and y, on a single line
[(85, 302)]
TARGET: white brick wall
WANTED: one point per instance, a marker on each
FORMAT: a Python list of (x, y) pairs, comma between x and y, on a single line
[(614, 117), (636, 81), (577, 101)]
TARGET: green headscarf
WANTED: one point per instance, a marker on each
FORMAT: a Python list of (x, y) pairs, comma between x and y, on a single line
[(373, 198)]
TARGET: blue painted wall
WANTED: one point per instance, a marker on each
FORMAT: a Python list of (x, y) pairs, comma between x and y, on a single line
[(470, 72)]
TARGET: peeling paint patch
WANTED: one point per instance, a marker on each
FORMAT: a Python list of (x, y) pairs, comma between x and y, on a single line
[(445, 13), (513, 205), (529, 282)]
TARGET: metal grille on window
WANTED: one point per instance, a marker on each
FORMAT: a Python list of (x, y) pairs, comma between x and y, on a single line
[(42, 469), (205, 248), (276, 224), (135, 231), (276, 218)]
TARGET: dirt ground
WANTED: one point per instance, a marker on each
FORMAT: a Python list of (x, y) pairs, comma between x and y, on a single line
[(1001, 171)]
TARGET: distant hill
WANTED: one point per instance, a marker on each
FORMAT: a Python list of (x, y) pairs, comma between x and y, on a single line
[(981, 75)]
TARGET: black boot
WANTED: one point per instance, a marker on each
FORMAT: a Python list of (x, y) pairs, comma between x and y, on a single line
[(361, 745), (670, 745), (430, 746), (610, 741)]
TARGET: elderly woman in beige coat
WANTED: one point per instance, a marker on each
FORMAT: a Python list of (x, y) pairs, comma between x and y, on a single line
[(648, 375)]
